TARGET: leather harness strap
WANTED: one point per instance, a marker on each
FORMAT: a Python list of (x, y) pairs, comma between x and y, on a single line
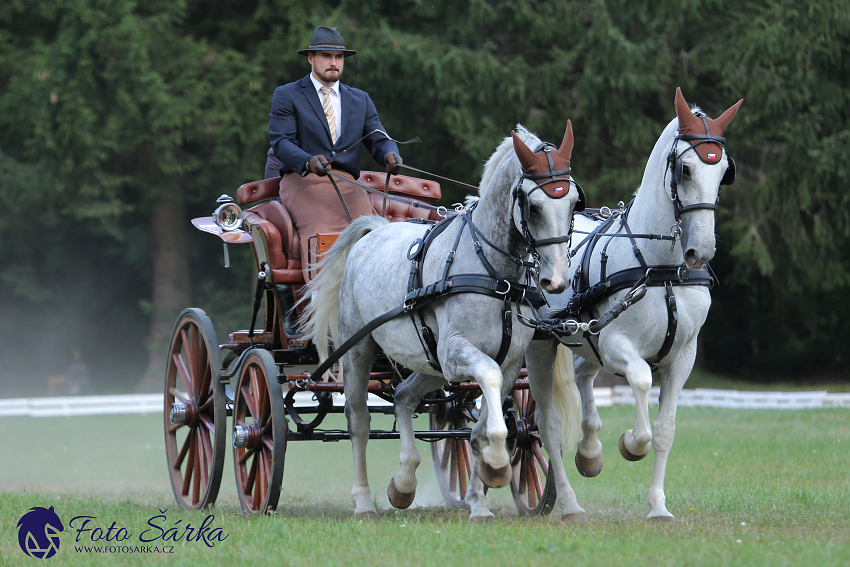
[(668, 276), (482, 284)]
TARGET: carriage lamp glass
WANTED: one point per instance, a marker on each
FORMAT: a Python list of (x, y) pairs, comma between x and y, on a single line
[(228, 216)]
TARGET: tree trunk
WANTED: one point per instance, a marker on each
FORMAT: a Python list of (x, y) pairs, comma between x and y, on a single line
[(170, 287)]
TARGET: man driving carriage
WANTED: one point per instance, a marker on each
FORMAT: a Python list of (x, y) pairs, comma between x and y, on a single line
[(315, 127)]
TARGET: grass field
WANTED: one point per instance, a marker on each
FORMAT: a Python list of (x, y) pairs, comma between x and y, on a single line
[(747, 487)]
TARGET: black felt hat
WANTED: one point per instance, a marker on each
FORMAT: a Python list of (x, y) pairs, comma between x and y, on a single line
[(327, 39)]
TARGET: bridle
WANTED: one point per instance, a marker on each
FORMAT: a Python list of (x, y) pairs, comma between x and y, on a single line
[(674, 161), (544, 181)]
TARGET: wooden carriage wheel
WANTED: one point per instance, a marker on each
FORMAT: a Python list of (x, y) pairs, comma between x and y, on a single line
[(531, 487), (195, 412), (259, 434), (452, 457)]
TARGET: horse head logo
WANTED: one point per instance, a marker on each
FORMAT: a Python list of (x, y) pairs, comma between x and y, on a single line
[(38, 532)]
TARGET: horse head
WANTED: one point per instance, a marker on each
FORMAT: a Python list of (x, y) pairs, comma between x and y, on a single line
[(699, 164), (544, 217)]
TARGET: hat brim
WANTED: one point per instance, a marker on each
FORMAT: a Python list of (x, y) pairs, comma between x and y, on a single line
[(345, 52)]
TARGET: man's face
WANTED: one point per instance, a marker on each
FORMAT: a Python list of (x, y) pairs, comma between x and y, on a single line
[(327, 65)]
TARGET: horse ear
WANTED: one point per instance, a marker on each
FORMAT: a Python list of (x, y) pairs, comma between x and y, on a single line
[(525, 155), (724, 119), (51, 508), (566, 149), (686, 117)]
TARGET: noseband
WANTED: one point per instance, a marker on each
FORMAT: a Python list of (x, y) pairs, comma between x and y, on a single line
[(542, 180), (674, 161)]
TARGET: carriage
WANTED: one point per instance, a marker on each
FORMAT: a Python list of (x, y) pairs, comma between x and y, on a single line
[(263, 382), (256, 375)]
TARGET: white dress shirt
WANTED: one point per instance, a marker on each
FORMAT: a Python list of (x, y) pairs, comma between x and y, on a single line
[(335, 102)]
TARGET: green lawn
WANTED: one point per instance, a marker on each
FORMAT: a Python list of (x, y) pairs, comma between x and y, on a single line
[(748, 488)]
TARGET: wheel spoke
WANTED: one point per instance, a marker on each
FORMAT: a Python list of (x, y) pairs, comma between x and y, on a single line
[(187, 443), (180, 364), (532, 492), (187, 478), (178, 395), (208, 407), (188, 352), (208, 423), (252, 475), (204, 390), (268, 443), (538, 454), (246, 455), (535, 475), (463, 467), (195, 354), (196, 463), (249, 402), (258, 489), (445, 452), (203, 456), (255, 390), (451, 465)]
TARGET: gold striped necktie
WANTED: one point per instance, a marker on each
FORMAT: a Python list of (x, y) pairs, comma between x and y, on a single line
[(329, 112)]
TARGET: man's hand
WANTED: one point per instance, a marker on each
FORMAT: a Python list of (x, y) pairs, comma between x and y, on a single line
[(393, 162), (319, 165)]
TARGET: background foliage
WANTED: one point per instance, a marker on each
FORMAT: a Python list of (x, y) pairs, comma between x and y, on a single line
[(121, 120)]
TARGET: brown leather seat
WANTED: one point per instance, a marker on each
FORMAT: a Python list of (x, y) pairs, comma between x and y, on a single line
[(283, 241)]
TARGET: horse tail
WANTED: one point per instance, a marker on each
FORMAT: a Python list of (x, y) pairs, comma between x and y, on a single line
[(319, 319), (567, 400)]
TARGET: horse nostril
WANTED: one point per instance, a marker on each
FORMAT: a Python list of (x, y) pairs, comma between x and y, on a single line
[(691, 257)]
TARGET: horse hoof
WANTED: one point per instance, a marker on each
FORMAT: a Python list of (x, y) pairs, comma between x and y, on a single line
[(495, 478), (626, 453), (662, 519), (589, 467), (397, 498), (368, 516), (483, 519), (574, 518)]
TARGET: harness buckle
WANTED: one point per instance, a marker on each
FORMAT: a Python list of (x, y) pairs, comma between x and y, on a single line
[(680, 273), (503, 293)]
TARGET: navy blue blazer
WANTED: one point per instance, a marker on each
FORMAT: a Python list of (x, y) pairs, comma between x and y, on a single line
[(299, 130)]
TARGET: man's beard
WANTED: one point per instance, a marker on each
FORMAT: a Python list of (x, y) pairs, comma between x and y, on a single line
[(330, 77)]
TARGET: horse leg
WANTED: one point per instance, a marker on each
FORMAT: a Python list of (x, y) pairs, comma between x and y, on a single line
[(589, 448), (475, 491), (540, 359), (357, 364), (636, 442), (464, 361), (402, 487), (478, 511), (663, 433)]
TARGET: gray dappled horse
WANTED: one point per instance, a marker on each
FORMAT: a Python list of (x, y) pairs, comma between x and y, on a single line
[(679, 191), (367, 273)]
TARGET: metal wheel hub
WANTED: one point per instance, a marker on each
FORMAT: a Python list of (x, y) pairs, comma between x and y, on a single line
[(184, 413), (524, 438), (247, 437)]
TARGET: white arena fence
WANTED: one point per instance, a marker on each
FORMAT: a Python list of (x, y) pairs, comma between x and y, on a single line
[(69, 406)]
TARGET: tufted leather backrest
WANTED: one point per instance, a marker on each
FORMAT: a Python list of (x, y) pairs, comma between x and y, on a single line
[(421, 189)]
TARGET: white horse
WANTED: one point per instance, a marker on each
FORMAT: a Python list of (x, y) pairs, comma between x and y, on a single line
[(367, 274), (677, 197)]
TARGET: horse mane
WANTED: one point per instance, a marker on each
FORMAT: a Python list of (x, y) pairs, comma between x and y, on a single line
[(498, 167)]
